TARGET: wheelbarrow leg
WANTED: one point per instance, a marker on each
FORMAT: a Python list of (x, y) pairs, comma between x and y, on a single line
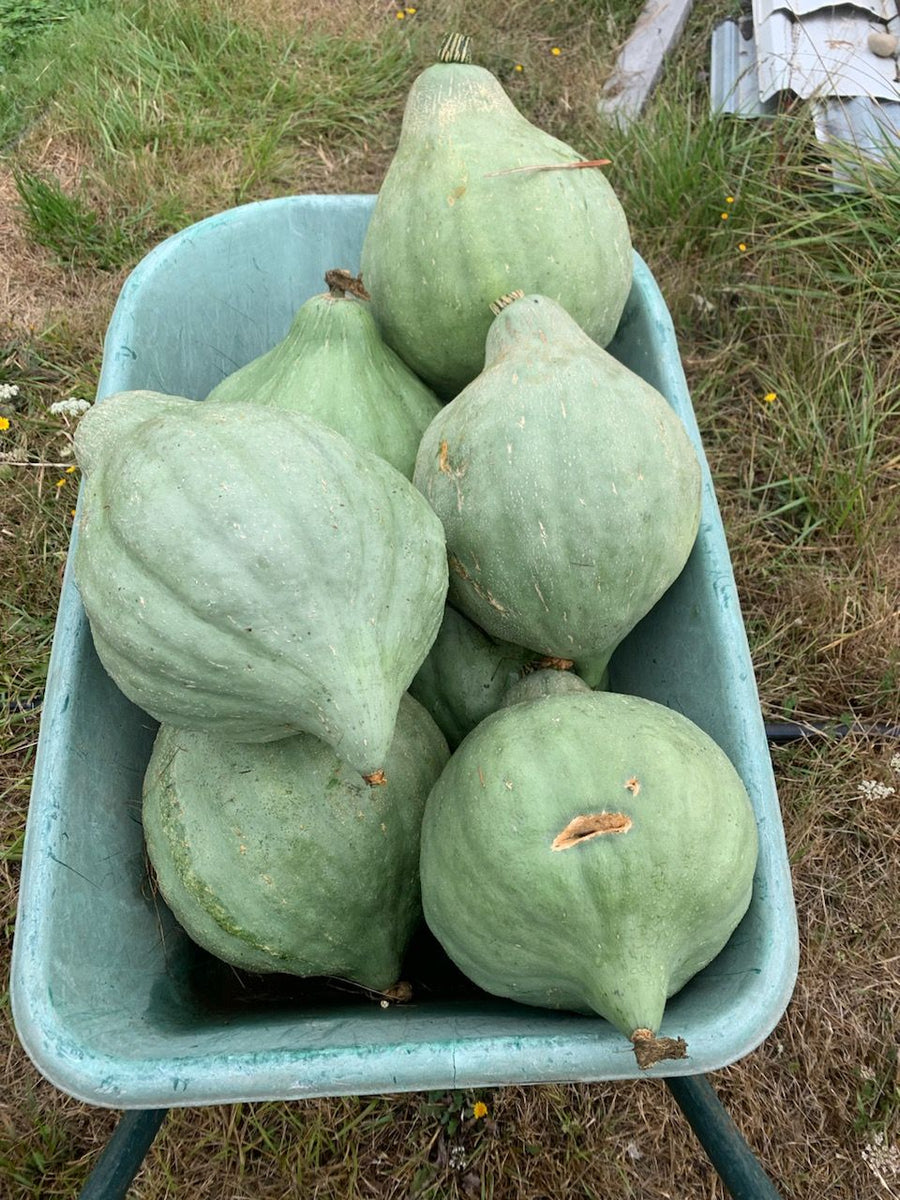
[(735, 1162), (124, 1152)]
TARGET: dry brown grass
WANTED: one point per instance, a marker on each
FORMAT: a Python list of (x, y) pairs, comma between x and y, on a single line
[(37, 291), (362, 18)]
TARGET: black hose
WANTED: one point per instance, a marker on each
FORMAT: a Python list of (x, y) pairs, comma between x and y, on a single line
[(795, 731)]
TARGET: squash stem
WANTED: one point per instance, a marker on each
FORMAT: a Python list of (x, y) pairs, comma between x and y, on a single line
[(650, 1049), (505, 301), (455, 48), (341, 283)]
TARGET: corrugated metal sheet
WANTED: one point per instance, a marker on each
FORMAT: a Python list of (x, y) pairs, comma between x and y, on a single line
[(884, 10), (822, 53), (870, 126), (733, 77), (818, 52)]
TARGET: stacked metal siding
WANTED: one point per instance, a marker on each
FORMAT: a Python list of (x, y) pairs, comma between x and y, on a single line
[(817, 52)]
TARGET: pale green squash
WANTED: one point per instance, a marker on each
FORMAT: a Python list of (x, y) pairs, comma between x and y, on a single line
[(249, 573), (462, 218), (543, 682), (466, 675), (589, 852), (334, 366), (280, 857), (568, 488)]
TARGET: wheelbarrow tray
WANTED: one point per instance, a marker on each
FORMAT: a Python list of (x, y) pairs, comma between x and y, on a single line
[(111, 1000)]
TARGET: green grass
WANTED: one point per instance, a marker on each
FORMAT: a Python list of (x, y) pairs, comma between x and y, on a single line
[(157, 114), (137, 76), (22, 21), (139, 88), (75, 232)]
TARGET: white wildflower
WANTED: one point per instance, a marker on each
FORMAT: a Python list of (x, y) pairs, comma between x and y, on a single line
[(883, 1161), (871, 789), (458, 1159), (8, 391), (73, 407), (895, 762), (634, 1152)]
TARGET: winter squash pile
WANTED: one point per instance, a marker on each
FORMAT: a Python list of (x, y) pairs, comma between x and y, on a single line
[(370, 588)]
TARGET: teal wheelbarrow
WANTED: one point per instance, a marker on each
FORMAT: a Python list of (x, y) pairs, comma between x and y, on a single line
[(112, 1001)]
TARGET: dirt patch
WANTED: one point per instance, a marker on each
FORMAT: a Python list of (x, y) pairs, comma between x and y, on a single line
[(34, 285), (358, 18)]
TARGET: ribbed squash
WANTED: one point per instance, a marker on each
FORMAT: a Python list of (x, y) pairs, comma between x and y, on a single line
[(589, 852), (249, 573), (478, 201), (334, 366), (568, 489), (279, 857)]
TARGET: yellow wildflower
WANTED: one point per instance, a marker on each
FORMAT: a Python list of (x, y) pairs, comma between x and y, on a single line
[(60, 483), (729, 199), (724, 216), (770, 397), (71, 470), (742, 246), (519, 67), (400, 16), (4, 422), (479, 1110), (556, 50)]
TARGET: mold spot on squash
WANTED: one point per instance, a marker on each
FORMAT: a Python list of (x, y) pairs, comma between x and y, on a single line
[(583, 828)]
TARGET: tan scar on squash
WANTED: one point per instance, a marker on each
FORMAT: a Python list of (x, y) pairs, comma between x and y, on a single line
[(583, 828)]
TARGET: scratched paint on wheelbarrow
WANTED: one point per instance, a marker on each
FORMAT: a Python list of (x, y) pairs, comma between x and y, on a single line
[(111, 1000)]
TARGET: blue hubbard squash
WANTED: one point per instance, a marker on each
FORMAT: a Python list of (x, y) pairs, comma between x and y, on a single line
[(249, 573), (466, 675), (478, 201), (543, 682), (334, 366), (589, 852), (278, 857), (568, 488)]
